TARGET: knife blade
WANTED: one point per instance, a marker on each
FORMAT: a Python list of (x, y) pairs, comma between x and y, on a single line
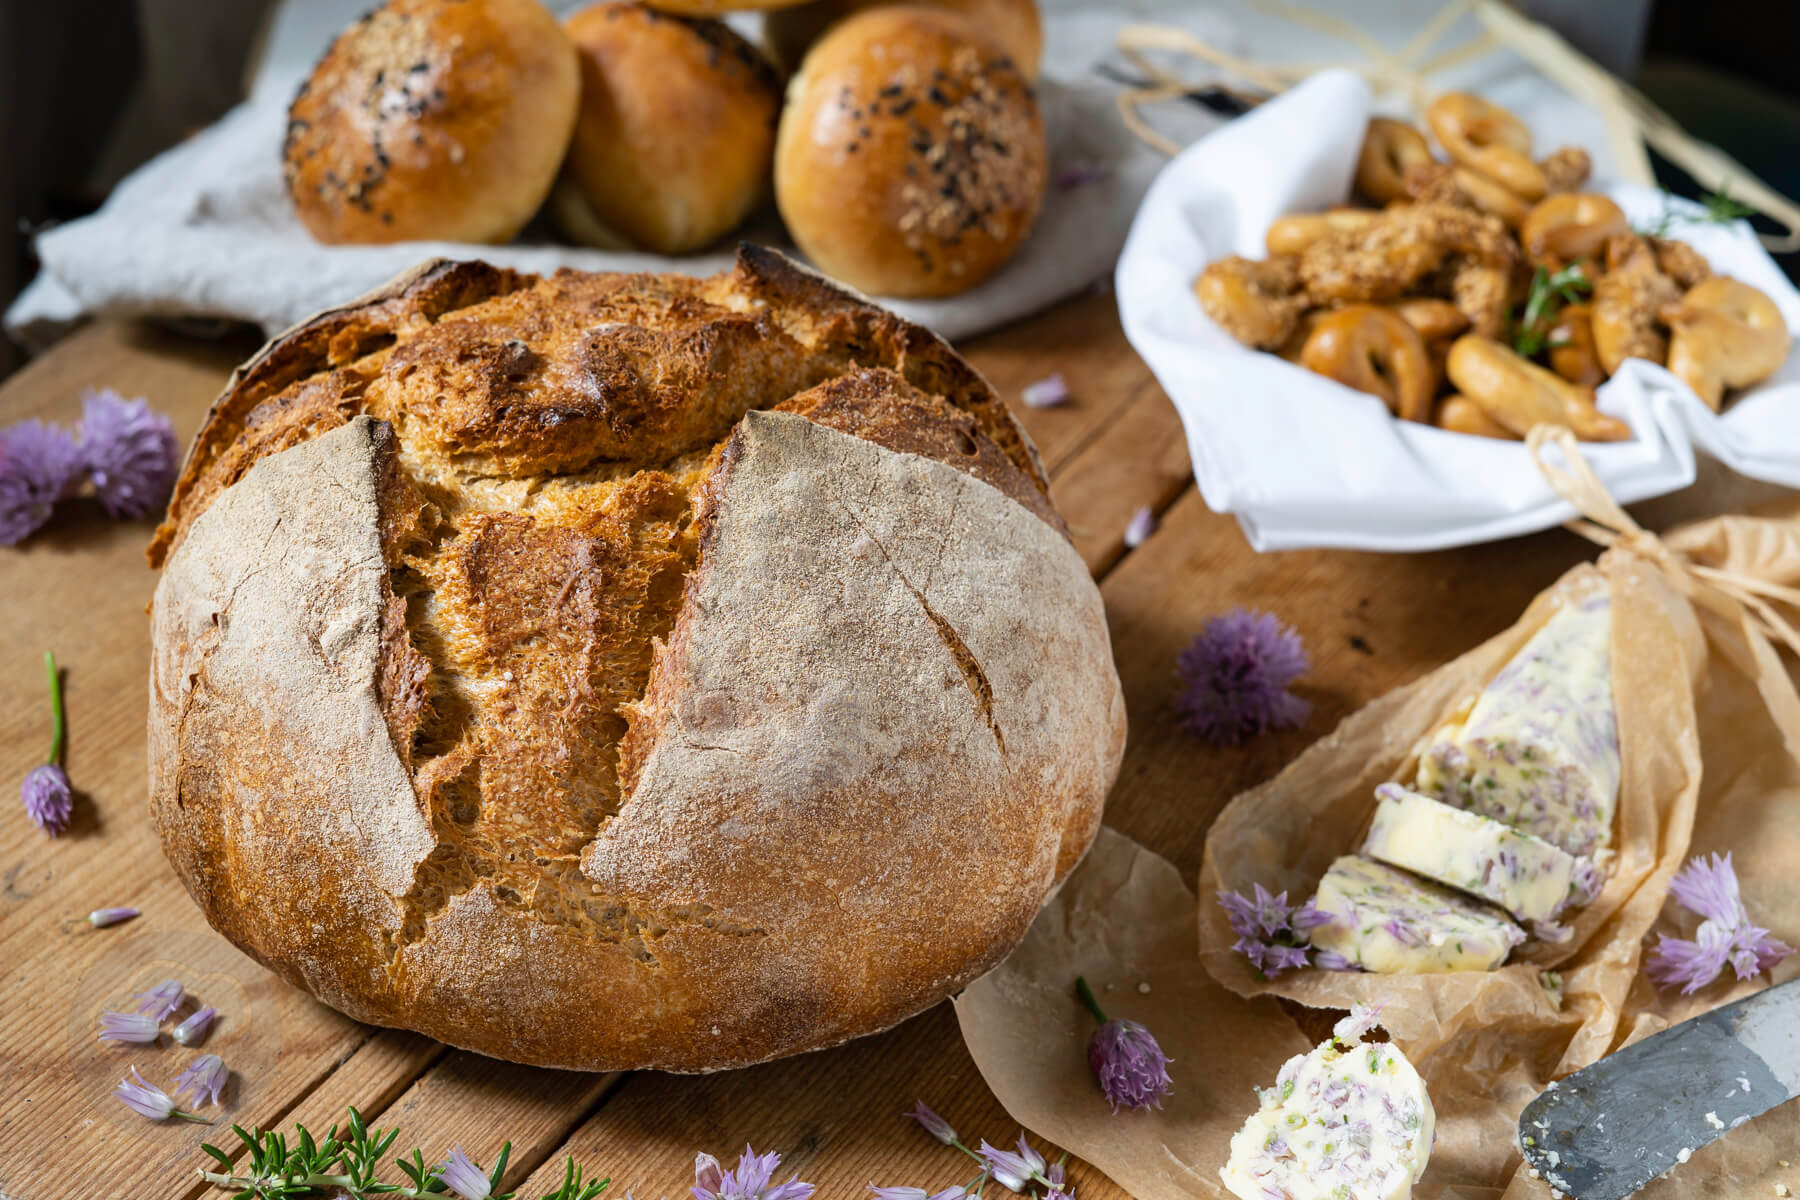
[(1607, 1130)]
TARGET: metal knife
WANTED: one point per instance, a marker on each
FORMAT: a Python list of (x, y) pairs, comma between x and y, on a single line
[(1607, 1130)]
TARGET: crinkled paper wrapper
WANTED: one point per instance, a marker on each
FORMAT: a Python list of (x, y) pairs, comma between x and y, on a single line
[(1689, 687)]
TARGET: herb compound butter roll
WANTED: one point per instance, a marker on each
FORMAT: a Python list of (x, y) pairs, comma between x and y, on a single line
[(1525, 875), (1351, 1120), (1392, 923), (1539, 749)]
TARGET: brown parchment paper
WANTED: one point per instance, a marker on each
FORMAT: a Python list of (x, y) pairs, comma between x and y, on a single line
[(1690, 687), (1125, 920)]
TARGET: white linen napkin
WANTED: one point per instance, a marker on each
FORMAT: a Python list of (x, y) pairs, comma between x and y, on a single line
[(1303, 461)]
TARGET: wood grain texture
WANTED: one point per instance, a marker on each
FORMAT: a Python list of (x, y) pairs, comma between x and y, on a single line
[(1370, 621)]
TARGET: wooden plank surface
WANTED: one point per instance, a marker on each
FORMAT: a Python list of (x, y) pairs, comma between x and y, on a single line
[(1371, 622)]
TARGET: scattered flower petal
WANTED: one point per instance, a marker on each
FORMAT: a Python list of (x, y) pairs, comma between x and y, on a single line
[(748, 1181), (192, 1031), (49, 800), (1708, 887), (100, 918), (127, 1027), (143, 1098), (39, 464), (1047, 392), (899, 1193), (1015, 1172), (1076, 174), (1331, 960), (129, 452), (1235, 676), (205, 1077), (461, 1175), (163, 999), (1132, 1069), (1272, 933), (935, 1125), (1143, 524)]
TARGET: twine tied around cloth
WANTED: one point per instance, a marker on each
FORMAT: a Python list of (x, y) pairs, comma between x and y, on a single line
[(1743, 600), (1632, 121)]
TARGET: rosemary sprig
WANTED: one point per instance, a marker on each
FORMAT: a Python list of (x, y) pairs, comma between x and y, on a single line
[(348, 1162), (1550, 293)]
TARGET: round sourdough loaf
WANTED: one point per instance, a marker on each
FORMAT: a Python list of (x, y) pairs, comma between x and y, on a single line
[(615, 671)]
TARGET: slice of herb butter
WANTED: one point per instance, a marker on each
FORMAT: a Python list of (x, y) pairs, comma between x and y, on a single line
[(1539, 750), (1525, 875), (1349, 1121), (1384, 920)]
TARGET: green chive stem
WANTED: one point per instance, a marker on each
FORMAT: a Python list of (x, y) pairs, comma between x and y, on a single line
[(56, 708), (1086, 994)]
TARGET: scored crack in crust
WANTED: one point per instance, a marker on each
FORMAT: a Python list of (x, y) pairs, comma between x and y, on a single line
[(546, 460)]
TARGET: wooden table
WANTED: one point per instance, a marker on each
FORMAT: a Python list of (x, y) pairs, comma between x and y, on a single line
[(1371, 622)]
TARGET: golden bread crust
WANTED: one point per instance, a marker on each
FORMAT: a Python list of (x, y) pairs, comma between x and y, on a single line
[(670, 649)]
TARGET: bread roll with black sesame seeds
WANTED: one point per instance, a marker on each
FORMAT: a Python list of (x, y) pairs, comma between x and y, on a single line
[(1013, 25), (440, 120), (676, 135), (911, 158)]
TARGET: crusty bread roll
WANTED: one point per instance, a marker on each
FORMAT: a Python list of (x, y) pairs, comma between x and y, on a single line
[(433, 120), (677, 130), (609, 671), (1013, 25), (911, 157), (715, 8)]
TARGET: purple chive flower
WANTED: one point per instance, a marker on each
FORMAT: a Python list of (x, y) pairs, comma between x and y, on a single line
[(100, 918), (128, 450), (49, 800), (1235, 676), (935, 1125), (163, 999), (1047, 392), (148, 1100), (1708, 887), (192, 1031), (749, 1181), (461, 1175), (1273, 934), (1132, 1069), (1015, 1172), (1143, 524), (127, 1027), (206, 1076), (39, 464), (1056, 1177)]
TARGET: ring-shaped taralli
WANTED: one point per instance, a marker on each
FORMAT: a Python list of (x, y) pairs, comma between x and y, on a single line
[(1257, 303), (1459, 414), (1295, 232), (1518, 394), (1569, 226), (1572, 351), (1369, 348), (1389, 147), (1489, 139), (1724, 334)]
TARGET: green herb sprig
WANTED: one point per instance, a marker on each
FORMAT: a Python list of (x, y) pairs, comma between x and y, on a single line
[(348, 1162), (1550, 293), (1719, 208)]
